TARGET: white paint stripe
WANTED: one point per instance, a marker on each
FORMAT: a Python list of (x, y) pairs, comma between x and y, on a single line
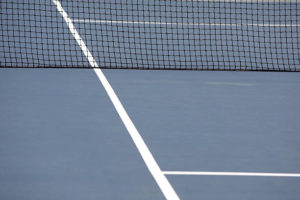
[(148, 158), (231, 84), (245, 1), (178, 24), (230, 173), (241, 1)]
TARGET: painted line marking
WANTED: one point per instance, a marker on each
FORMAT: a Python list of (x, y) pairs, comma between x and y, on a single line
[(178, 24), (245, 1), (198, 173), (147, 156), (231, 84)]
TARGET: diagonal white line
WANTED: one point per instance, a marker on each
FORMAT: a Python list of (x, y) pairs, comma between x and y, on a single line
[(231, 173), (147, 156)]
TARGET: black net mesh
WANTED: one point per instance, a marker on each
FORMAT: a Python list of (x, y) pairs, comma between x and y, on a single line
[(258, 35)]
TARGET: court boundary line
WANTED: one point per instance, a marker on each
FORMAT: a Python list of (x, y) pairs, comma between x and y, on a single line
[(178, 24), (144, 151), (207, 173), (241, 84)]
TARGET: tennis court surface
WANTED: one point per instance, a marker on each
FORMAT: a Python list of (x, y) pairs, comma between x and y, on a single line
[(214, 114)]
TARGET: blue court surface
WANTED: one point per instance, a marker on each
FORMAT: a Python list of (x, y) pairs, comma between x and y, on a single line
[(61, 137), (195, 135)]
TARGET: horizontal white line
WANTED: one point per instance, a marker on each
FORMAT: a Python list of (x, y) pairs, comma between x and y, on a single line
[(178, 24), (231, 84), (230, 173), (245, 1)]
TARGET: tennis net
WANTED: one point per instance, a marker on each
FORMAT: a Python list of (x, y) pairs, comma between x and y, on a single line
[(243, 35)]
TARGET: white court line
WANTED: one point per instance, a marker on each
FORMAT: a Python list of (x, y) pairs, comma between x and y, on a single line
[(147, 156), (178, 24), (240, 1), (231, 83), (245, 1), (230, 174)]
